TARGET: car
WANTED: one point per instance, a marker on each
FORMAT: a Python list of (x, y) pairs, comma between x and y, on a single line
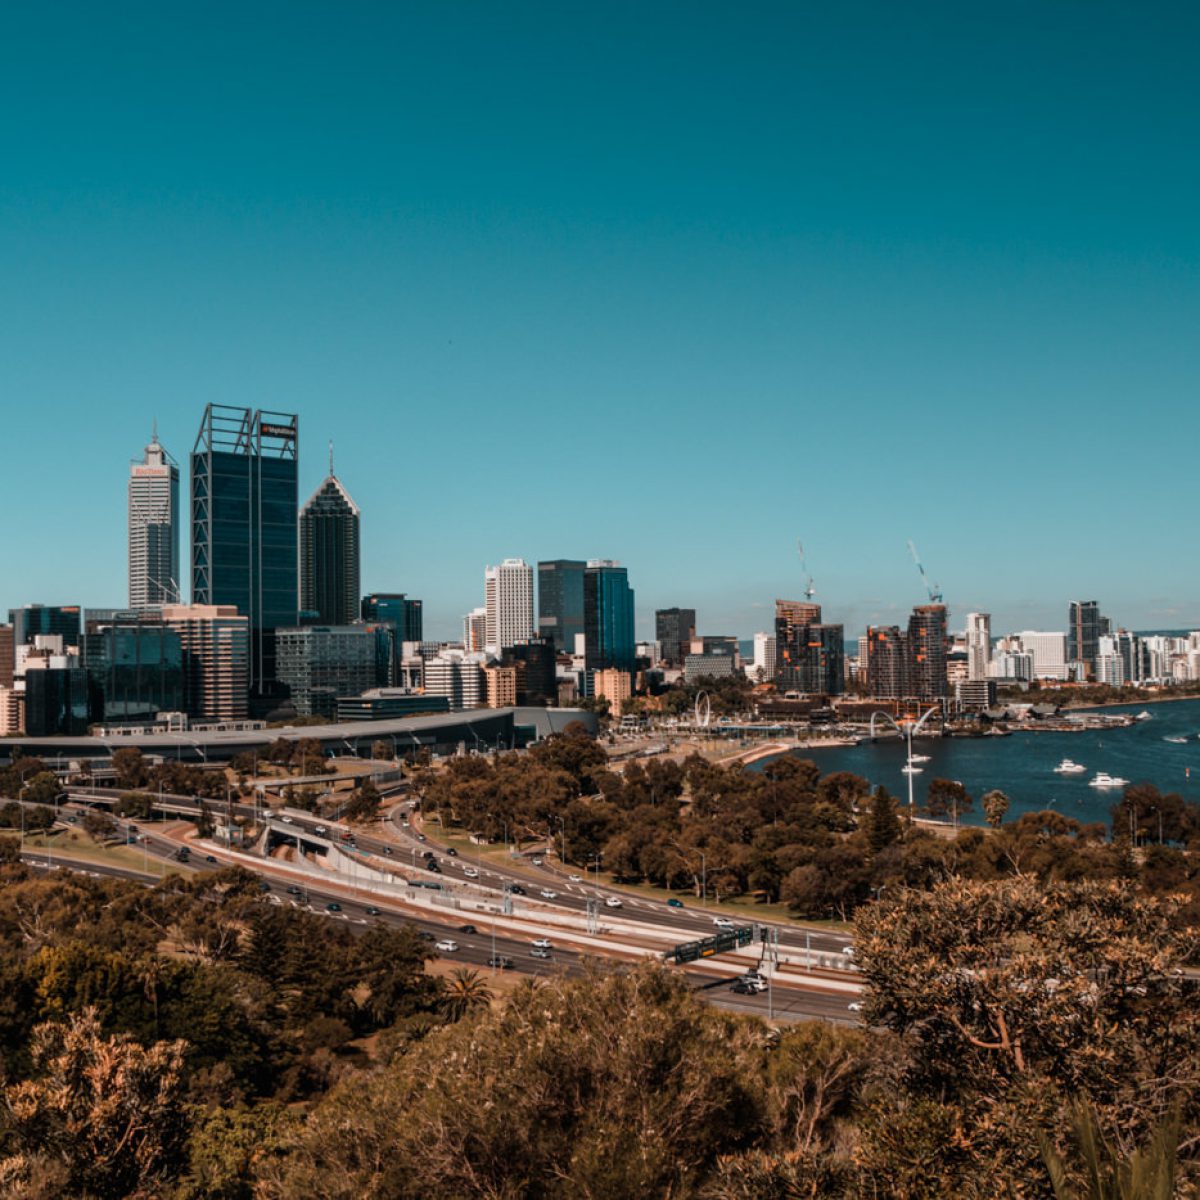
[(537, 862), (210, 858), (539, 952), (722, 922), (467, 929), (317, 829), (575, 878), (426, 853), (286, 819), (371, 911), (855, 1006), (421, 837), (447, 946), (612, 902), (434, 866), (848, 951), (500, 961), (388, 851), (293, 890), (673, 903), (517, 889), (450, 850), (754, 983), (547, 894), (425, 935), (333, 906), (470, 872), (263, 886), (741, 987), (132, 827), (542, 944)]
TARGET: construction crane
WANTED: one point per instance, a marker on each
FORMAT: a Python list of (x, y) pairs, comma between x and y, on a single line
[(809, 591), (935, 592)]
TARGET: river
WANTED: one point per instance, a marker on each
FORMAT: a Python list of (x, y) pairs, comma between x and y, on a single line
[(1022, 766)]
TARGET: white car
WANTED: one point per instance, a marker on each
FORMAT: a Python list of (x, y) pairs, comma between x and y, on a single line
[(848, 951), (542, 944), (722, 922), (575, 878), (446, 946), (286, 819), (547, 894), (470, 872), (854, 1006), (613, 902), (318, 829)]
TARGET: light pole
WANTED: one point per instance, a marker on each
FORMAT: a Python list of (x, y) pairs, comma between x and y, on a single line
[(910, 728), (703, 880)]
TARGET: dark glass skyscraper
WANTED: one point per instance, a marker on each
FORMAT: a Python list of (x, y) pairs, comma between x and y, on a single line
[(560, 602), (244, 545), (1083, 634), (45, 620), (135, 669), (608, 617), (674, 629), (329, 554), (396, 607)]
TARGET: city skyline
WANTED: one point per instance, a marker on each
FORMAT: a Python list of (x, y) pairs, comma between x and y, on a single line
[(502, 237)]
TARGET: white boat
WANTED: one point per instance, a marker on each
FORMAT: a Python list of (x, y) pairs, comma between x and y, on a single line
[(1067, 767), (919, 758), (909, 769), (1102, 779), (1178, 739), (1142, 716)]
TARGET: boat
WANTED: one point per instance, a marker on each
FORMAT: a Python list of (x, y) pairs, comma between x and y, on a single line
[(1102, 779), (919, 758), (909, 769), (1142, 716), (1178, 739), (1067, 767)]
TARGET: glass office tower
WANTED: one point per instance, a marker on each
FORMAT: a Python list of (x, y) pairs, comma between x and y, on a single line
[(134, 669), (560, 602), (329, 554), (608, 617), (244, 514)]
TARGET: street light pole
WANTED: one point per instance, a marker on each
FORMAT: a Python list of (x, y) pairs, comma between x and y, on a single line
[(703, 880)]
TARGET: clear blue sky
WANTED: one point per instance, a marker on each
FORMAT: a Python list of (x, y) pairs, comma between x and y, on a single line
[(672, 284)]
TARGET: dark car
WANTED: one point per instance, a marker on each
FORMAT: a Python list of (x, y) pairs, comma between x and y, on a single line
[(333, 906), (498, 960), (210, 858), (743, 987), (425, 935), (263, 886), (426, 853), (388, 851), (467, 929), (293, 890), (450, 850), (517, 890), (673, 903), (371, 911)]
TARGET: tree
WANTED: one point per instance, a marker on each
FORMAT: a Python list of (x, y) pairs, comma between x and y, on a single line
[(363, 805), (135, 804), (98, 825), (947, 797), (465, 992), (10, 850), (130, 767), (110, 1111), (883, 825), (42, 788), (995, 806)]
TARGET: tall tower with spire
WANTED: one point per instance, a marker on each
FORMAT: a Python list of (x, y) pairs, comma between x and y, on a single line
[(153, 528), (329, 554)]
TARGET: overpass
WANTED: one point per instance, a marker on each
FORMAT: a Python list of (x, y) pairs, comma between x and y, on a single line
[(482, 729)]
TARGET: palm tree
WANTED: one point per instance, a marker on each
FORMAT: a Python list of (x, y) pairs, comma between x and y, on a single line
[(1146, 1174), (465, 991)]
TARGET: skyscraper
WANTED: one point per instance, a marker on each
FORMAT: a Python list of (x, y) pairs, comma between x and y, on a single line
[(1083, 634), (887, 662), (405, 614), (926, 646), (979, 645), (608, 617), (135, 668), (674, 629), (508, 598), (329, 553), (560, 602), (475, 630), (244, 543), (153, 529), (216, 658), (809, 656), (46, 620)]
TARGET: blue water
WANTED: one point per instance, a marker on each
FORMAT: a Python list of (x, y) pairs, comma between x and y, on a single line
[(1022, 766)]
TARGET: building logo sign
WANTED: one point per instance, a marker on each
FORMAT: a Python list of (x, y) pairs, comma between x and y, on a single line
[(279, 431)]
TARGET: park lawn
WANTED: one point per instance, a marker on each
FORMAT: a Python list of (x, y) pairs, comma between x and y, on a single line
[(77, 845)]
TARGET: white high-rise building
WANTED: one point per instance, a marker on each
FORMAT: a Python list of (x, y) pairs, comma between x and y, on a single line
[(764, 655), (1049, 651), (475, 630), (153, 529), (508, 598), (979, 645), (458, 676)]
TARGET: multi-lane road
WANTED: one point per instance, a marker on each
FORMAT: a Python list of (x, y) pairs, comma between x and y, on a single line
[(399, 841)]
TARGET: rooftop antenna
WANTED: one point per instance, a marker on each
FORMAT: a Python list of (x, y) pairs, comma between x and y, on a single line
[(331, 456), (809, 591)]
